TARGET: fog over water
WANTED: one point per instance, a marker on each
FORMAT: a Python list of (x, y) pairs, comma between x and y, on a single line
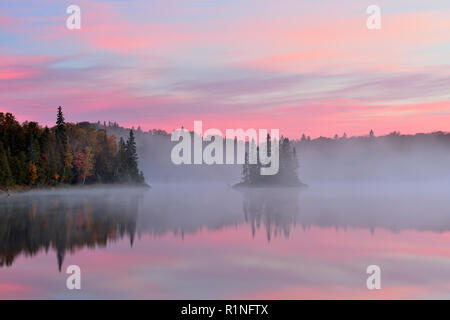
[(198, 240), (384, 160), (394, 158), (383, 201)]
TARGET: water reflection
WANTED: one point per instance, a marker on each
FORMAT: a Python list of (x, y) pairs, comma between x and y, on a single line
[(275, 210), (64, 222), (69, 221)]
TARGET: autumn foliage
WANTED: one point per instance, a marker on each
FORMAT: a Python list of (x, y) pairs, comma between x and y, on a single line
[(66, 153)]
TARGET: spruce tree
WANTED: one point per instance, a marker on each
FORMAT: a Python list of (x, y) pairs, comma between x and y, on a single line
[(132, 158), (61, 135), (61, 146)]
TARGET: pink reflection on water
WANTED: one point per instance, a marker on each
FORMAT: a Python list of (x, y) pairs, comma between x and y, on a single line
[(228, 263), (14, 291)]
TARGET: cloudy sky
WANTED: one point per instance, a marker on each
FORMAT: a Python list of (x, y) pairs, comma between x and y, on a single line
[(300, 66)]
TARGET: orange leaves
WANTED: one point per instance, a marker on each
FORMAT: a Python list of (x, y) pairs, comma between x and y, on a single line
[(32, 173), (84, 163)]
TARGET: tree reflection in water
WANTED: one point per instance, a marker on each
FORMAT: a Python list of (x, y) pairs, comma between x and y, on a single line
[(69, 221), (64, 222), (276, 209)]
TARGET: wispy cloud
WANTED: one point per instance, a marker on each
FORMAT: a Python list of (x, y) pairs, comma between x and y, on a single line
[(298, 67)]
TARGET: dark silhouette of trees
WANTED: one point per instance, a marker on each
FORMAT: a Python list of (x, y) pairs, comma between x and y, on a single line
[(288, 166), (127, 161), (6, 177), (61, 135), (303, 138), (132, 156)]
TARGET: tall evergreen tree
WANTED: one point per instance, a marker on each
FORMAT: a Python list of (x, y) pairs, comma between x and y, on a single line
[(132, 158), (61, 135), (61, 144)]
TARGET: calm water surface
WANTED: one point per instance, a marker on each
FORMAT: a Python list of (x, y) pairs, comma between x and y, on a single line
[(211, 241)]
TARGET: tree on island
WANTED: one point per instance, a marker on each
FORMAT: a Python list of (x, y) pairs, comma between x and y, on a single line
[(288, 166)]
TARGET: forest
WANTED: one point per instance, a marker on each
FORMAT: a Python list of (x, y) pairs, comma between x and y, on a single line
[(67, 153)]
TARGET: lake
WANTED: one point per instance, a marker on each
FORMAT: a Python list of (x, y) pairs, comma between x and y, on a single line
[(210, 241)]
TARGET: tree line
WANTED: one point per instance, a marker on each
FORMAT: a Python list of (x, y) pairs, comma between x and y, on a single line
[(31, 155)]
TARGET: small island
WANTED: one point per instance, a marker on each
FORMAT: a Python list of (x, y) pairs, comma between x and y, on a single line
[(286, 177), (32, 156)]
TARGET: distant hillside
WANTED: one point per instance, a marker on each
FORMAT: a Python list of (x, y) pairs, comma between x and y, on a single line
[(390, 158)]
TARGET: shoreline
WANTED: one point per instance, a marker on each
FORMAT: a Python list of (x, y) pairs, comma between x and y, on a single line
[(7, 191)]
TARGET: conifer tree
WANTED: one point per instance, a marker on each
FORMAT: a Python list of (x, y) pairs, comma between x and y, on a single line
[(61, 146), (132, 158), (61, 135)]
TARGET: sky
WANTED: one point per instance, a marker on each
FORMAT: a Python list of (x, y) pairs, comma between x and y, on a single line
[(308, 67)]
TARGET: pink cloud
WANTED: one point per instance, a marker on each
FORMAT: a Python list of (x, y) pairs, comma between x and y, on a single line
[(278, 58), (9, 74), (104, 27), (342, 43)]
